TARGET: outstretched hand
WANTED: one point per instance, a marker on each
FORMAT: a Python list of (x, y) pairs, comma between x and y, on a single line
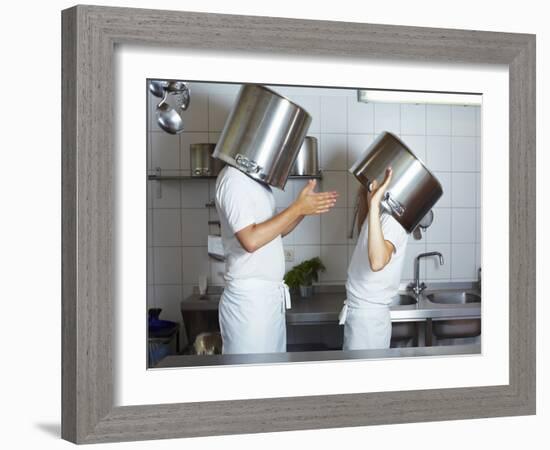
[(310, 202)]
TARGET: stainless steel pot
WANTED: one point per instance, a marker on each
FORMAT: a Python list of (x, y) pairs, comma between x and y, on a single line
[(263, 134), (202, 162), (413, 190), (307, 161)]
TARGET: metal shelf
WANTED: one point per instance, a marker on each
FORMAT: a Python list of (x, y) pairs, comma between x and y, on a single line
[(157, 176), (212, 177), (306, 177), (179, 177)]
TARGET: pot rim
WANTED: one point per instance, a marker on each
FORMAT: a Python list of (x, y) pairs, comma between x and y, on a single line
[(283, 97)]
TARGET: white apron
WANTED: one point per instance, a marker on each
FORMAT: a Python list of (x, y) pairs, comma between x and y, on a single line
[(367, 325), (252, 316)]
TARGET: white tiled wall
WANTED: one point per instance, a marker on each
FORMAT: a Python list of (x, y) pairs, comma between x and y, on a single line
[(445, 137)]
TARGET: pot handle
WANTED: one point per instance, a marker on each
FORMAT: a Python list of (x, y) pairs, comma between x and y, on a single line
[(395, 207), (245, 164)]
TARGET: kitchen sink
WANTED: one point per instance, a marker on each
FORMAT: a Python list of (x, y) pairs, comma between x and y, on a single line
[(453, 298), (455, 328), (403, 300)]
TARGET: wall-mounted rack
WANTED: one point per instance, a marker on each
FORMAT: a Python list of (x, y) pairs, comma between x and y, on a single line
[(306, 177), (179, 177), (204, 177), (157, 176)]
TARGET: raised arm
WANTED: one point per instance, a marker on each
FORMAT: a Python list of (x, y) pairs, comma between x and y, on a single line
[(380, 250), (308, 202)]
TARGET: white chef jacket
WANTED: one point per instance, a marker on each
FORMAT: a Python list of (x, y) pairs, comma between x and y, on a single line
[(252, 307), (366, 313)]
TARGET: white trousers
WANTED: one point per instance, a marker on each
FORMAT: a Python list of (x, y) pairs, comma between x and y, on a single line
[(366, 325), (252, 316)]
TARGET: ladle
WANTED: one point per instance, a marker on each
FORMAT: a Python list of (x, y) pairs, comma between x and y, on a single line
[(168, 118), (180, 90)]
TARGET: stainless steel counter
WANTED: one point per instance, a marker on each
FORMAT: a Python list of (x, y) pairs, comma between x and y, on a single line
[(325, 304), (274, 358)]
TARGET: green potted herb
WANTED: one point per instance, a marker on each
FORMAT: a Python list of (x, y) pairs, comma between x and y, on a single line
[(303, 275)]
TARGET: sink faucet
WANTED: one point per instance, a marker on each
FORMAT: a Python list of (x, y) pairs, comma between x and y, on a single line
[(416, 286)]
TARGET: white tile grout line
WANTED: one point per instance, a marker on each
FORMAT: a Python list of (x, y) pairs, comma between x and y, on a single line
[(322, 145), (337, 133), (426, 233)]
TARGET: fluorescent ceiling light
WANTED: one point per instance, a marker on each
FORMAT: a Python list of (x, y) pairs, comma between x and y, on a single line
[(446, 98)]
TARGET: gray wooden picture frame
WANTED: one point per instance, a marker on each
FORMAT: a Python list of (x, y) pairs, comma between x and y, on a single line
[(90, 34)]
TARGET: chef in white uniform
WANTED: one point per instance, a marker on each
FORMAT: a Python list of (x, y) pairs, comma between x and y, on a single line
[(255, 298), (374, 273)]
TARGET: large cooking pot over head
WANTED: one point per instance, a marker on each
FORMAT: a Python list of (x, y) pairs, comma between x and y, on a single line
[(413, 190), (263, 134)]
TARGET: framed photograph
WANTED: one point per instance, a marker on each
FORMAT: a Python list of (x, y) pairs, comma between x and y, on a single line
[(154, 103), (184, 226)]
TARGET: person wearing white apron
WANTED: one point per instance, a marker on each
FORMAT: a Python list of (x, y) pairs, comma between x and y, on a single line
[(374, 273), (255, 298)]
